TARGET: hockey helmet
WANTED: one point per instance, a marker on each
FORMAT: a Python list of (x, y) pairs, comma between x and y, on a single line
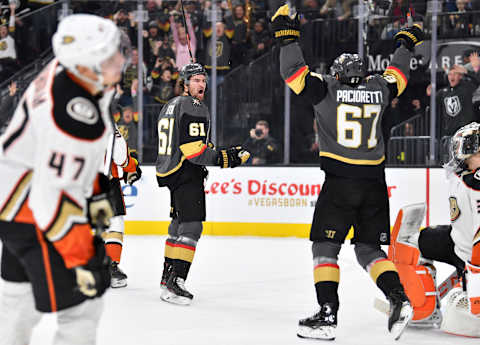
[(191, 69), (465, 142), (348, 68), (89, 40)]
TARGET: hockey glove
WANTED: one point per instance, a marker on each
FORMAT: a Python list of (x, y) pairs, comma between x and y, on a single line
[(134, 176), (94, 277), (232, 157), (410, 37), (99, 206), (285, 25)]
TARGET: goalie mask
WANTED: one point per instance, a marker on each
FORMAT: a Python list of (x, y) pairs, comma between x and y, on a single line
[(348, 69), (464, 143)]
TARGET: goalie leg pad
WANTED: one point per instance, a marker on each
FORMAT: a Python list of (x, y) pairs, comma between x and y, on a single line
[(457, 318), (408, 222), (420, 288)]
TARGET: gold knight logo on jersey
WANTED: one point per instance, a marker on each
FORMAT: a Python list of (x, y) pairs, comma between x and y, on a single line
[(454, 210)]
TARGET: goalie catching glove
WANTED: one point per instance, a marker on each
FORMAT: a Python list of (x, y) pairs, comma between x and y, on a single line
[(285, 25), (232, 157), (410, 37), (94, 277)]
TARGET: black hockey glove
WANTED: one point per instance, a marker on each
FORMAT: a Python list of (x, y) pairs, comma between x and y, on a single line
[(285, 25), (134, 176), (99, 206), (232, 157), (94, 277), (410, 37)]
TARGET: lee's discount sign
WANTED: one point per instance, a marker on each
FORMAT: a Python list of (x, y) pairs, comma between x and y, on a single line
[(277, 195)]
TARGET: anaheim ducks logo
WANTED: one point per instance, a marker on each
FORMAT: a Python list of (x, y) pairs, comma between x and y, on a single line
[(67, 39), (454, 210)]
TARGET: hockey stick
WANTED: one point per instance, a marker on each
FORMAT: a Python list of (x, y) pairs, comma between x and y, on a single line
[(186, 31), (442, 290)]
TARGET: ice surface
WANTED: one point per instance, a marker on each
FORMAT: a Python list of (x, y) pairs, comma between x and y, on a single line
[(247, 291)]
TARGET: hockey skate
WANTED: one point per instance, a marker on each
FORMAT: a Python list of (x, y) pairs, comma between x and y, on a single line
[(175, 292), (118, 277), (321, 325), (167, 270), (400, 314)]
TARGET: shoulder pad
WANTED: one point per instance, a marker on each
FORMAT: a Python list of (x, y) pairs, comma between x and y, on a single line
[(75, 112), (472, 179)]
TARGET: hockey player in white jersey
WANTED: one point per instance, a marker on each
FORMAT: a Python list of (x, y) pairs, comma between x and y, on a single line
[(457, 244), (124, 165), (50, 156)]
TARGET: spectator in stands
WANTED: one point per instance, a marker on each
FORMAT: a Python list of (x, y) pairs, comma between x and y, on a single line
[(241, 32), (131, 73), (7, 107), (262, 147), (8, 53), (128, 127), (181, 43), (260, 40), (222, 49), (329, 9), (163, 50), (469, 53), (391, 29), (455, 101), (460, 22), (163, 89), (153, 42)]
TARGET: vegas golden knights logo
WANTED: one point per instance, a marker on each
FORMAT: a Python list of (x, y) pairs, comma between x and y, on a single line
[(330, 233), (218, 49), (123, 131), (454, 210), (3, 45)]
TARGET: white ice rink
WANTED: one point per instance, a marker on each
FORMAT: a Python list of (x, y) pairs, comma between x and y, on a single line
[(247, 291)]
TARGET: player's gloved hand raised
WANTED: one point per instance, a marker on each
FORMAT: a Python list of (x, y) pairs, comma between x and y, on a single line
[(410, 37), (99, 206), (232, 157), (134, 176), (285, 25), (94, 277)]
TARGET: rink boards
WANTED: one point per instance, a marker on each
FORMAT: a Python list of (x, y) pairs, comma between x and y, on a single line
[(273, 201)]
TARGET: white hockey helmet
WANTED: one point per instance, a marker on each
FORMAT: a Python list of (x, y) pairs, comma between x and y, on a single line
[(87, 40)]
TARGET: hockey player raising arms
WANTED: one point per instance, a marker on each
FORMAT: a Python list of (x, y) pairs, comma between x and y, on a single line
[(50, 156), (349, 108), (457, 244), (184, 150)]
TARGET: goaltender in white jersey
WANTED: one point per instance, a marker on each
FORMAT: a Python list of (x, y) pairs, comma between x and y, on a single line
[(50, 158), (457, 244)]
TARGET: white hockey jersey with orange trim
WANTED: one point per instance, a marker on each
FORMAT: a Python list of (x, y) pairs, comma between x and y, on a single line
[(464, 198), (51, 152), (121, 160)]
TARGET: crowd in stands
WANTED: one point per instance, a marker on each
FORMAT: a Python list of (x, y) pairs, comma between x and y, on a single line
[(242, 31)]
